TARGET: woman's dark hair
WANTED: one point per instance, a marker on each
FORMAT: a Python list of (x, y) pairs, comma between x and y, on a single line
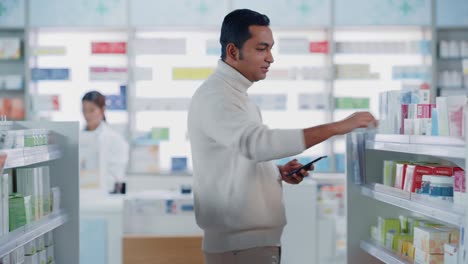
[(235, 28), (97, 98)]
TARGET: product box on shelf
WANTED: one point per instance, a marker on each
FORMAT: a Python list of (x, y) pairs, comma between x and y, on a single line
[(430, 240), (459, 189), (422, 257), (451, 254), (406, 248), (17, 212), (32, 259), (385, 225), (393, 240)]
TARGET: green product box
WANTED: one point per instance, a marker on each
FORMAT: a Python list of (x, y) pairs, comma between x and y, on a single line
[(17, 212), (160, 133), (393, 240), (389, 171), (351, 103), (386, 225)]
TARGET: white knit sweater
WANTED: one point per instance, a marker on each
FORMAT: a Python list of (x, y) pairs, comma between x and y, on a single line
[(238, 194)]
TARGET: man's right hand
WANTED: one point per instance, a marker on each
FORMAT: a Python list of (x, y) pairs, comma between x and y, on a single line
[(356, 120)]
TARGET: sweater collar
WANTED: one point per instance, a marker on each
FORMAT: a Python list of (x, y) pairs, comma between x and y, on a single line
[(233, 77)]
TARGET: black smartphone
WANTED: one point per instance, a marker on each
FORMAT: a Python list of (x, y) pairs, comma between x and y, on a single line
[(305, 167)]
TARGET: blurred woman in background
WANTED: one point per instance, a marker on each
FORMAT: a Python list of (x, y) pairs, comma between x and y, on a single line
[(103, 151)]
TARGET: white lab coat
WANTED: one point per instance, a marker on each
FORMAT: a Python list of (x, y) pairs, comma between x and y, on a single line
[(112, 152)]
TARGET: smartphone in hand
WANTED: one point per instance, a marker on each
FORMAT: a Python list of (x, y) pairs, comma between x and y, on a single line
[(305, 167)]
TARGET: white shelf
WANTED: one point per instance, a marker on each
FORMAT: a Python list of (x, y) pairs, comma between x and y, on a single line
[(326, 177), (448, 147), (23, 235), (383, 254), (441, 211), (30, 155)]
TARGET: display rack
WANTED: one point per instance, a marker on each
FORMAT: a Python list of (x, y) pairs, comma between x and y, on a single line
[(452, 49), (369, 60), (370, 199), (17, 68), (383, 254), (26, 234), (62, 159)]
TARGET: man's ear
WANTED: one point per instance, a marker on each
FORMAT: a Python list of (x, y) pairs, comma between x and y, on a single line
[(232, 52)]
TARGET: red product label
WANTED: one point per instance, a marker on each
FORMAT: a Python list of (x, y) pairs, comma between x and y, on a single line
[(318, 47), (56, 102), (109, 48), (446, 171), (419, 171)]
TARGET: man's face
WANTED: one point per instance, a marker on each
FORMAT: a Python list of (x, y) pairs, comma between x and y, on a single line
[(255, 57)]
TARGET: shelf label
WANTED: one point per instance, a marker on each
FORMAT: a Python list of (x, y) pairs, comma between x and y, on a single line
[(143, 74), (162, 104), (49, 50), (108, 47), (293, 46), (270, 101), (43, 74), (318, 47), (119, 74), (46, 102), (160, 46), (191, 73)]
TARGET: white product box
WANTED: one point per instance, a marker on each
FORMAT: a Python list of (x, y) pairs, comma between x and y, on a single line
[(33, 259), (49, 239), (55, 199), (50, 254), (42, 257), (450, 254)]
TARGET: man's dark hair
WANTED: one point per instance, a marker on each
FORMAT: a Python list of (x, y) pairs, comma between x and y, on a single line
[(235, 28)]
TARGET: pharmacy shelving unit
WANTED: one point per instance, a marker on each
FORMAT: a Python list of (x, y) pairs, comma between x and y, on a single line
[(369, 199), (389, 53), (72, 49), (62, 159), (450, 55), (162, 100), (16, 67)]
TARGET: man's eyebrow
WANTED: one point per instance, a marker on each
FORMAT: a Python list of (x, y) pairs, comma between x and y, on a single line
[(266, 44)]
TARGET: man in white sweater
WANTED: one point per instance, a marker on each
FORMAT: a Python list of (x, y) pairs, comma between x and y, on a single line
[(237, 187)]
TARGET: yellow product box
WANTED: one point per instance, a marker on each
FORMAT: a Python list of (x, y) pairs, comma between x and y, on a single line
[(405, 247), (422, 257), (394, 239), (431, 240), (385, 225)]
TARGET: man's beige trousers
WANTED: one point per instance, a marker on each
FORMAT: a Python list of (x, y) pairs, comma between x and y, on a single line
[(259, 255)]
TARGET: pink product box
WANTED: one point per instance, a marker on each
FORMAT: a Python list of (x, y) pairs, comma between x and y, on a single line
[(424, 110), (404, 115), (459, 181)]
